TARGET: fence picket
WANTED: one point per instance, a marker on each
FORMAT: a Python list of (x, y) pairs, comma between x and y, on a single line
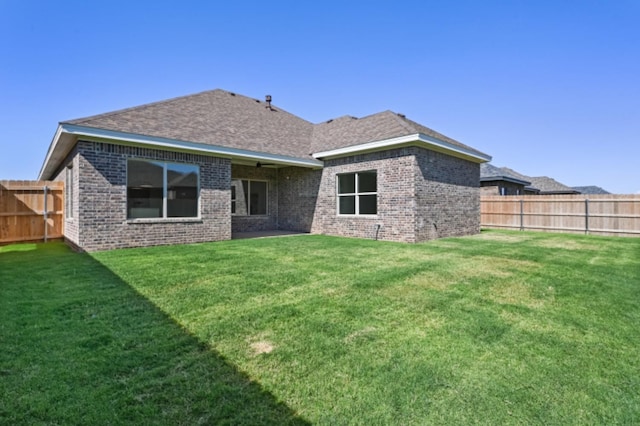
[(31, 211)]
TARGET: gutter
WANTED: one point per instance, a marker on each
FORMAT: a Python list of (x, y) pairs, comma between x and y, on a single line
[(67, 136), (417, 139)]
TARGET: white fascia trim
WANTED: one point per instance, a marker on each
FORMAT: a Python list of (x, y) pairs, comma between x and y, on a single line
[(417, 138), (52, 146), (165, 143)]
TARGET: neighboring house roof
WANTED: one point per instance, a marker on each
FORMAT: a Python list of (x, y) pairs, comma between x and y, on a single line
[(590, 190), (247, 130), (490, 173), (527, 188), (516, 174), (547, 185), (544, 184)]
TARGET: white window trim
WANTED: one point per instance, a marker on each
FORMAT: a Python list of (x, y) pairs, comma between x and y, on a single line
[(356, 194), (249, 199), (164, 217)]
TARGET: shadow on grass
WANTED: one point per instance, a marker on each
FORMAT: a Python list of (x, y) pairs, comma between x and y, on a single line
[(80, 346)]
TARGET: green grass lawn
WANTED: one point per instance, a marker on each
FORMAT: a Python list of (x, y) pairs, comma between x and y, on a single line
[(499, 328)]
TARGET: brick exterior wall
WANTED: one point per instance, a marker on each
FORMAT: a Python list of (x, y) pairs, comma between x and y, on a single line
[(447, 196), (395, 216), (101, 217), (257, 223), (71, 228), (422, 195), (297, 197), (493, 188), (489, 190)]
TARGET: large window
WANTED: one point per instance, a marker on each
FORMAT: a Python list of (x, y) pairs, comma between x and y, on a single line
[(162, 190), (248, 197), (358, 193)]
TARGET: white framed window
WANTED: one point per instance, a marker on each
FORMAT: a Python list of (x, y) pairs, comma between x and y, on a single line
[(158, 189), (68, 189), (249, 197), (358, 193)]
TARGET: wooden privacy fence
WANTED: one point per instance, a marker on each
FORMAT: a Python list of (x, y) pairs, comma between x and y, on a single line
[(588, 214), (30, 210)]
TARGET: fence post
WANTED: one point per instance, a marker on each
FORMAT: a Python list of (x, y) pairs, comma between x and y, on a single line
[(44, 214), (521, 214), (586, 216)]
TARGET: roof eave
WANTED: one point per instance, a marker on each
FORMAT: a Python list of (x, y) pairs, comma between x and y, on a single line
[(417, 139), (68, 134), (506, 179), (54, 148), (559, 192)]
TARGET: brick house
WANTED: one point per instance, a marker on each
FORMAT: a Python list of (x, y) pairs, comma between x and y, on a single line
[(202, 167), (502, 181)]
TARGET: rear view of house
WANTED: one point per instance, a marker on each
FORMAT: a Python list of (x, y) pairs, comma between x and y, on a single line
[(202, 167)]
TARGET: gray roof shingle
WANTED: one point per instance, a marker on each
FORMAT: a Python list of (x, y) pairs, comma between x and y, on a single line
[(516, 174), (591, 189), (545, 184), (489, 172), (348, 131), (222, 118), (215, 117), (548, 185)]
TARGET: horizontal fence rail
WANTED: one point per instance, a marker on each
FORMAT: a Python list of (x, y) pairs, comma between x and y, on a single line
[(31, 210), (588, 214)]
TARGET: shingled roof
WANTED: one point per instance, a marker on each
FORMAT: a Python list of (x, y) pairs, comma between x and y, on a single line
[(348, 131), (225, 123), (489, 173), (215, 117), (548, 185), (591, 189), (544, 184)]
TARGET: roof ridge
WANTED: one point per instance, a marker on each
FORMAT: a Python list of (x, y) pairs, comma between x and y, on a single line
[(330, 120)]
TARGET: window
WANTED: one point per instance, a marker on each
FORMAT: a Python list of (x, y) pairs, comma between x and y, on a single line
[(68, 189), (357, 193), (233, 199), (248, 197), (162, 190)]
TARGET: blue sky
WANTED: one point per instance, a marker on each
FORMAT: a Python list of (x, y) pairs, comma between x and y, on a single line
[(545, 87)]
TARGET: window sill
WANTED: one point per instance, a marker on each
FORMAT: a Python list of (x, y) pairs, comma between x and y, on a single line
[(357, 216), (143, 220)]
